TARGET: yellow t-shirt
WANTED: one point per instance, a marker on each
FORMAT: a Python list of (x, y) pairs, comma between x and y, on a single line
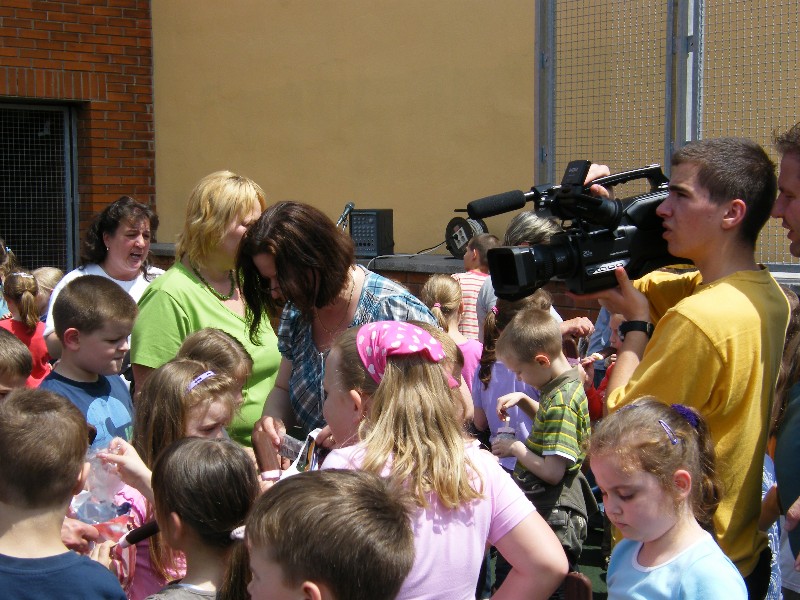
[(717, 348)]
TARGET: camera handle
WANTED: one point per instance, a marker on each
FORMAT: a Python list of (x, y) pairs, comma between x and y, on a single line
[(653, 173)]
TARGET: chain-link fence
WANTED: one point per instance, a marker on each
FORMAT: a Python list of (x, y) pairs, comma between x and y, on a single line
[(624, 82), (35, 184)]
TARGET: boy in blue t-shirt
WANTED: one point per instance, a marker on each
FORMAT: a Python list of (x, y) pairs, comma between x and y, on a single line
[(93, 318), (43, 441)]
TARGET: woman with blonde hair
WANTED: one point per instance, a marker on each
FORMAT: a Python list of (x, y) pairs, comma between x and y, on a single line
[(412, 432), (201, 290)]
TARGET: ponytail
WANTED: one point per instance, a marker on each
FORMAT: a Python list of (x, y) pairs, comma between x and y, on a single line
[(21, 288)]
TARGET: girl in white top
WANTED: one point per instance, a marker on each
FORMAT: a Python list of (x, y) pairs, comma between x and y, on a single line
[(387, 373), (655, 467)]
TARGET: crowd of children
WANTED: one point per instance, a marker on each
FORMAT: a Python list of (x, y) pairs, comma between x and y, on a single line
[(400, 500)]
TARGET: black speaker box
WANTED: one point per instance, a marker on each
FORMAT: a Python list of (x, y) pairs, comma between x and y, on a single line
[(372, 232)]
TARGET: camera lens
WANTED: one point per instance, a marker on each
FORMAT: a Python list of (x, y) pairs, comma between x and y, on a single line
[(518, 271)]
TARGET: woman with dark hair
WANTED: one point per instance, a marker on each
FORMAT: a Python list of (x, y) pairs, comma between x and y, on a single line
[(295, 253), (117, 246)]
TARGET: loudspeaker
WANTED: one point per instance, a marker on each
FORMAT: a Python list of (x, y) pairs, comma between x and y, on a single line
[(372, 232)]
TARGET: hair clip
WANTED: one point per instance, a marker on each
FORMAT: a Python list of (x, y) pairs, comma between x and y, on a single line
[(672, 438), (199, 379), (437, 305), (687, 414), (23, 274), (238, 533), (494, 310)]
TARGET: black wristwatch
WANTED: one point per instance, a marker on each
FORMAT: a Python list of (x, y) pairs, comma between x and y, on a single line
[(643, 326)]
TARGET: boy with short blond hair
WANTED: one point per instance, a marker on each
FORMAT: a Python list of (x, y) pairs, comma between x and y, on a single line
[(43, 441), (93, 319), (549, 462), (16, 363)]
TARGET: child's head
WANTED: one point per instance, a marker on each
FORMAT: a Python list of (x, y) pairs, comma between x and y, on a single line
[(21, 289), (670, 445), (16, 363), (182, 398), (43, 443), (497, 319), (442, 295), (477, 247), (47, 278), (411, 414), (220, 351), (93, 318), (203, 490), (304, 520), (530, 343)]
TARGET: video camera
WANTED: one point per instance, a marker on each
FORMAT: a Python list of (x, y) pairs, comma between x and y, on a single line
[(599, 234)]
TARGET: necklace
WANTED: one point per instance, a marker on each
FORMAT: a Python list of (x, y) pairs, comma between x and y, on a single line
[(346, 310), (211, 288)]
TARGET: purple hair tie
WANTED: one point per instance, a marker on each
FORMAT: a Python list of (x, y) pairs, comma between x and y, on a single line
[(687, 414), (437, 305)]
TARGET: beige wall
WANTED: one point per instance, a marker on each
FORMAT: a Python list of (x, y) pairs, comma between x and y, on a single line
[(413, 105)]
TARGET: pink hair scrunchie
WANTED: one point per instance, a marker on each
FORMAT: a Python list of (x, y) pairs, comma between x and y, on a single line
[(376, 341)]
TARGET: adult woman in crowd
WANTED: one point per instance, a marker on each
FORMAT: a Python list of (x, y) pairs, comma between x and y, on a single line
[(200, 290), (295, 253), (117, 246)]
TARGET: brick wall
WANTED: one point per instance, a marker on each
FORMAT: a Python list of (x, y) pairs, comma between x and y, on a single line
[(96, 55)]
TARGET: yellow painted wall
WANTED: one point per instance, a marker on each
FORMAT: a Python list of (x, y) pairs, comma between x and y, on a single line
[(415, 105)]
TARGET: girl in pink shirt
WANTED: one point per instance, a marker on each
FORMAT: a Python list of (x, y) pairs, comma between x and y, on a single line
[(387, 373)]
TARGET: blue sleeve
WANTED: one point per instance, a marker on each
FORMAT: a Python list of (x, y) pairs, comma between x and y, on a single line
[(602, 334)]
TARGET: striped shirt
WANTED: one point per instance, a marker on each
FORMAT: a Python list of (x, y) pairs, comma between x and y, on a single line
[(471, 283), (561, 425)]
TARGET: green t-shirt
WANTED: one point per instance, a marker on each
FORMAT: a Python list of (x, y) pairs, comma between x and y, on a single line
[(177, 304)]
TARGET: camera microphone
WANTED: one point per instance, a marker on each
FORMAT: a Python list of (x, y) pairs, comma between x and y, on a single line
[(348, 208), (498, 204)]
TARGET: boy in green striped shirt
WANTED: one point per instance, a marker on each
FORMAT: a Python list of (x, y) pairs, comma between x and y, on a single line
[(549, 461)]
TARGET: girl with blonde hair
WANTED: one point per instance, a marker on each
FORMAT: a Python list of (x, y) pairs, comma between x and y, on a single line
[(412, 432), (19, 292)]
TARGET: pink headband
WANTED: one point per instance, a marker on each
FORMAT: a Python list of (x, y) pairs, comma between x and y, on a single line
[(376, 341)]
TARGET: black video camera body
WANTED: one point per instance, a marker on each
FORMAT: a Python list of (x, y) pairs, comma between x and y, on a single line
[(602, 234)]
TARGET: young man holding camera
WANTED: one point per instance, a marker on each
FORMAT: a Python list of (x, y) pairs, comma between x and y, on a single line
[(717, 332)]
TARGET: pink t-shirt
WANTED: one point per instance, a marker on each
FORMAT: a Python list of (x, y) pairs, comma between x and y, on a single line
[(472, 350), (145, 580), (450, 544)]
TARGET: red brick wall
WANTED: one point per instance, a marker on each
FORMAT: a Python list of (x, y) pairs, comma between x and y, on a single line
[(96, 54)]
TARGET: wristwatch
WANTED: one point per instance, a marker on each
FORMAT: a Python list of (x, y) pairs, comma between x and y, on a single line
[(643, 326)]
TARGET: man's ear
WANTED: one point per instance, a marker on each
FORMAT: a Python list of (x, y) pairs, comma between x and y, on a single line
[(313, 591), (542, 360), (734, 214), (71, 338)]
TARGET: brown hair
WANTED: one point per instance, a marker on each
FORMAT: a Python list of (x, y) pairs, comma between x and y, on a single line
[(89, 302), (219, 350), (637, 440), (482, 243), (789, 372), (21, 288), (125, 209), (497, 319), (532, 331), (15, 357), (730, 168), (211, 485), (444, 291), (43, 443), (788, 142), (360, 518), (312, 259)]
